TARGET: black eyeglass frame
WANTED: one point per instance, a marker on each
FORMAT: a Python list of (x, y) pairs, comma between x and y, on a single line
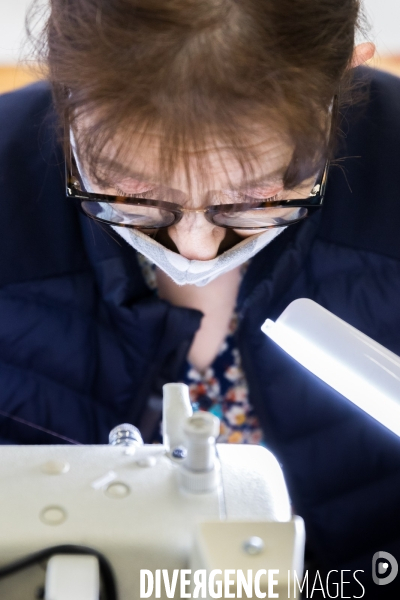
[(74, 190)]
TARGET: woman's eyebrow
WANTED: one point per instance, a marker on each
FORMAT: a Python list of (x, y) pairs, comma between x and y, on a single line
[(276, 177), (115, 168)]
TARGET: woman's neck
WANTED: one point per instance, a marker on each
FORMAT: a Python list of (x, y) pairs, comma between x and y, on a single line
[(216, 300)]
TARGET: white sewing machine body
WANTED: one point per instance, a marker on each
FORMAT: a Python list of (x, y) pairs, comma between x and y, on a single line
[(186, 504), (149, 522)]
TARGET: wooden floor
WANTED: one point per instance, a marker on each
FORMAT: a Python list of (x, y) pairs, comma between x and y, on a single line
[(12, 77)]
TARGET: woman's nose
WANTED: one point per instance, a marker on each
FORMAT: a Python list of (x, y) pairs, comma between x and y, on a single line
[(196, 238)]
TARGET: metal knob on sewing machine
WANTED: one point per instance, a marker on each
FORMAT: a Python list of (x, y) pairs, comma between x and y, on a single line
[(125, 435)]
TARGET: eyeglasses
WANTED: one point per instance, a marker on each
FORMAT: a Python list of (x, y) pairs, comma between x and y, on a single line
[(150, 213)]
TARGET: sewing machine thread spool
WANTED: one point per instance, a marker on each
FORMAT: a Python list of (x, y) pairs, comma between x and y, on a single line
[(201, 429), (200, 471)]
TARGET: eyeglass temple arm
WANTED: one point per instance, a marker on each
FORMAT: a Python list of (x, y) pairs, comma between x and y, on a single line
[(334, 120)]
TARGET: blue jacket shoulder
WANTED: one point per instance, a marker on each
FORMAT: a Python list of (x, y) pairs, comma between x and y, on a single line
[(362, 207), (39, 231)]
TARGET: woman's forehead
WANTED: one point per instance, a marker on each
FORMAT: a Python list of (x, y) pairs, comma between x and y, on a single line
[(216, 164)]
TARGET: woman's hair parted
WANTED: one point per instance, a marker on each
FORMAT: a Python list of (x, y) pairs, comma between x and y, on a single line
[(197, 71)]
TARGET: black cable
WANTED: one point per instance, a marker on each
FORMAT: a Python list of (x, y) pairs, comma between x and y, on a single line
[(106, 572)]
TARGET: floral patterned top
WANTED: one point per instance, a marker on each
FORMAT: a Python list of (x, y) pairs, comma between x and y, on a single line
[(222, 388)]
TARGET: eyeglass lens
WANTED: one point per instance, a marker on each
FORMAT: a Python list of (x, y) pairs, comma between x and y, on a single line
[(259, 217), (129, 214), (151, 216)]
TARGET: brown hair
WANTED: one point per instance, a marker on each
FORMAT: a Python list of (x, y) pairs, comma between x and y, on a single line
[(197, 70)]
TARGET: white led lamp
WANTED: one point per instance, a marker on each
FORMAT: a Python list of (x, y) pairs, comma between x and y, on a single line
[(350, 362)]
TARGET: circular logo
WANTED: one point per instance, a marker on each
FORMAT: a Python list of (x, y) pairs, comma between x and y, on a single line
[(384, 568)]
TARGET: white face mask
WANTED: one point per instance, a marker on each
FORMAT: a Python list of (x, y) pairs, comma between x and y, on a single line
[(196, 272), (180, 269)]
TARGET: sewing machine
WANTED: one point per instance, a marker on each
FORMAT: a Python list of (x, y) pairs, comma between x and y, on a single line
[(186, 504)]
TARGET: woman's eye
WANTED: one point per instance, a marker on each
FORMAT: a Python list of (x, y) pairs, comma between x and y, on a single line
[(133, 187), (259, 193)]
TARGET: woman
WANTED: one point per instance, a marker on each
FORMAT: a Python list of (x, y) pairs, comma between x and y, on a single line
[(196, 137)]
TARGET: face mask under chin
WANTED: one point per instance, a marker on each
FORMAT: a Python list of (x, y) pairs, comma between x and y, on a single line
[(196, 272)]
